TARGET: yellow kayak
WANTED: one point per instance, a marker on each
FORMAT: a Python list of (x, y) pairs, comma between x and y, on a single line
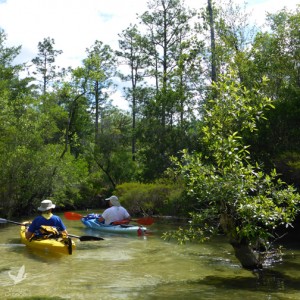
[(54, 245)]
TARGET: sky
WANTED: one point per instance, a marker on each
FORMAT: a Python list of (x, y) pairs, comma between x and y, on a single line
[(76, 24)]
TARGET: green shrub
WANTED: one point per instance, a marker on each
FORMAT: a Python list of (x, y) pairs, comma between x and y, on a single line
[(150, 199)]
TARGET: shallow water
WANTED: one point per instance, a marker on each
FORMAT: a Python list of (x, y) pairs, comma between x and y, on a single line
[(132, 267)]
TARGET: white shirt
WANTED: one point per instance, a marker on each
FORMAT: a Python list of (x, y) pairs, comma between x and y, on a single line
[(115, 213)]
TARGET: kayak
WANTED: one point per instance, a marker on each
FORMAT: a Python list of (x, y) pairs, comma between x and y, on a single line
[(91, 221), (54, 245)]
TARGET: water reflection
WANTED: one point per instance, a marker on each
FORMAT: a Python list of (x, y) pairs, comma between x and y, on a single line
[(132, 267)]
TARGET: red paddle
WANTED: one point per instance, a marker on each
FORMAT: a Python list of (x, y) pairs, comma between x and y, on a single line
[(73, 216), (76, 217), (144, 221)]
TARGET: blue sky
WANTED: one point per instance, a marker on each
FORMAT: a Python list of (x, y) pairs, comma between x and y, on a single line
[(76, 24)]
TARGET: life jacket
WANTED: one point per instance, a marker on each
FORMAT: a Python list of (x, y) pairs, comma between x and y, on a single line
[(92, 216), (47, 232)]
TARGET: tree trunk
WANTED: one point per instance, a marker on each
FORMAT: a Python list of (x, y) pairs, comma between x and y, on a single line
[(246, 256), (212, 42), (242, 250)]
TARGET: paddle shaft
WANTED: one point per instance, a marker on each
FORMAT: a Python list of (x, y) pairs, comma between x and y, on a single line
[(8, 221), (81, 238)]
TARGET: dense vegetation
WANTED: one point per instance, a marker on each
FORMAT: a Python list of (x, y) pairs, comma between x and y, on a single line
[(214, 112)]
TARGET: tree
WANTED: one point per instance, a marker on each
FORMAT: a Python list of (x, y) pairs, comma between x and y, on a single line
[(212, 41), (275, 54), (232, 194), (230, 36), (113, 147), (18, 114), (10, 83), (45, 60), (100, 67), (132, 45), (168, 31), (173, 54)]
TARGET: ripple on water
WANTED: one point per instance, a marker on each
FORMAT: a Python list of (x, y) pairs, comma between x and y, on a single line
[(135, 268)]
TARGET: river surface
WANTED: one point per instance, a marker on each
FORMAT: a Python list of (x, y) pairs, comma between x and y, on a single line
[(147, 267)]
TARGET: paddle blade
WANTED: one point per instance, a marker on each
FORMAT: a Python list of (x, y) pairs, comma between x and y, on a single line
[(72, 216), (84, 238), (122, 222), (145, 221)]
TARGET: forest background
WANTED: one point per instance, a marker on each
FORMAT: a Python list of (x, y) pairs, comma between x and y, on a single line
[(214, 112)]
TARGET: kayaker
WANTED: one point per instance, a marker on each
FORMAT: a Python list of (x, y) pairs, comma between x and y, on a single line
[(45, 218), (115, 212)]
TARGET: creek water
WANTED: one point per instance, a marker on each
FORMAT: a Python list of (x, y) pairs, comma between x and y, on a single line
[(147, 267)]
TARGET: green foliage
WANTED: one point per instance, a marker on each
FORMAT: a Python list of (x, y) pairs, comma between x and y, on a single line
[(71, 174), (275, 55), (154, 198), (71, 144), (44, 62), (246, 202), (30, 175), (168, 56), (112, 150), (232, 114), (288, 164)]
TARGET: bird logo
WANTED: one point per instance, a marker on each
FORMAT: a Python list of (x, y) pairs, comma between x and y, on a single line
[(20, 276)]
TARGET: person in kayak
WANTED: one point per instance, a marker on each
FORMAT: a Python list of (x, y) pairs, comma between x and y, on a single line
[(45, 218), (114, 213)]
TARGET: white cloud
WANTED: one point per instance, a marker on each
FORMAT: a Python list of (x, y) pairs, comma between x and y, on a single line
[(260, 8), (76, 24), (119, 100)]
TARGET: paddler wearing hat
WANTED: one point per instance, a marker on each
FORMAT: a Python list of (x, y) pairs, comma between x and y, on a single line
[(115, 212), (45, 218)]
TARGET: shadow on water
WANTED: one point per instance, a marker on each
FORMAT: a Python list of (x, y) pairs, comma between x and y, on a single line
[(38, 255), (267, 284), (266, 281), (15, 246)]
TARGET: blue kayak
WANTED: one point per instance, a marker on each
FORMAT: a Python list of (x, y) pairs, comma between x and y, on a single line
[(91, 221)]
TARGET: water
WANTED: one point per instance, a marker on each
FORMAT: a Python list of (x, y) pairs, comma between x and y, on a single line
[(132, 267)]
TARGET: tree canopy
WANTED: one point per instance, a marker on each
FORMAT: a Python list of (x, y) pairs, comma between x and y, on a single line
[(214, 107)]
